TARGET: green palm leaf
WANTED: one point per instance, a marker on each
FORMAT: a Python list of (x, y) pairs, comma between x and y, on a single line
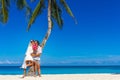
[(63, 2), (21, 4), (4, 12), (7, 3), (56, 13), (35, 13)]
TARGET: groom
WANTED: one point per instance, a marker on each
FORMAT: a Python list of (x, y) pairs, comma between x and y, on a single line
[(36, 58)]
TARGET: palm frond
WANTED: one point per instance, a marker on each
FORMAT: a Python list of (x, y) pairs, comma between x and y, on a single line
[(1, 15), (28, 11), (65, 5), (35, 13), (4, 12), (56, 13), (21, 4), (7, 3)]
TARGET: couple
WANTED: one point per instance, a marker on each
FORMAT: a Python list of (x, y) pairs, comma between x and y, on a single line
[(32, 57)]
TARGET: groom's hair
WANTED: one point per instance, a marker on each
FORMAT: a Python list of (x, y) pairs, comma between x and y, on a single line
[(37, 42)]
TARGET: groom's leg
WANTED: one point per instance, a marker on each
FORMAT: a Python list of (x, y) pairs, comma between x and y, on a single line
[(38, 69), (35, 67)]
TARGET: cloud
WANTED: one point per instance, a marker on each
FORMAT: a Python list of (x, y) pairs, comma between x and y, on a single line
[(82, 60), (70, 60), (10, 62)]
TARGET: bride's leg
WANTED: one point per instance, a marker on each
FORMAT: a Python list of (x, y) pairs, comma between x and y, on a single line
[(29, 63), (24, 74), (38, 69)]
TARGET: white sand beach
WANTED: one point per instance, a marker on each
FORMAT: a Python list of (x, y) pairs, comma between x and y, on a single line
[(64, 77)]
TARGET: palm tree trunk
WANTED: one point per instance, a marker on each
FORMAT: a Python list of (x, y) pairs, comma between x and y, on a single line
[(49, 25)]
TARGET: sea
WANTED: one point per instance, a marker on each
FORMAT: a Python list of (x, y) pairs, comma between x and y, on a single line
[(16, 70)]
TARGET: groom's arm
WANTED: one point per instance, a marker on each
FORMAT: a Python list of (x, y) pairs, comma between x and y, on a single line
[(39, 52), (35, 55)]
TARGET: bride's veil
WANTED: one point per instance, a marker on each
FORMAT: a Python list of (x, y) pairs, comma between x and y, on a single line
[(28, 48), (28, 51)]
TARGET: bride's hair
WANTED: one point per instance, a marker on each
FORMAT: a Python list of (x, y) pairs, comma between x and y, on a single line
[(32, 40)]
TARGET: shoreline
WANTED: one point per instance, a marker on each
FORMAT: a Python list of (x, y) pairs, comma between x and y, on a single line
[(101, 76)]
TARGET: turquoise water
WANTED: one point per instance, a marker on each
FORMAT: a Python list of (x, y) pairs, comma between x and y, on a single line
[(11, 70)]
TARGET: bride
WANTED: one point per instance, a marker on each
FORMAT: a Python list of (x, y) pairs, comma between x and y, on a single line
[(28, 60)]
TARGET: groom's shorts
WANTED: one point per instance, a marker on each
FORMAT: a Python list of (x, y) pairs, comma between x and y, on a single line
[(37, 61)]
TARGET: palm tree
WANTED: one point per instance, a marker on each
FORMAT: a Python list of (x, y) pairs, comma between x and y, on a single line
[(4, 6), (54, 14)]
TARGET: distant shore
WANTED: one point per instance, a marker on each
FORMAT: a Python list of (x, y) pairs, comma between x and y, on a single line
[(64, 77)]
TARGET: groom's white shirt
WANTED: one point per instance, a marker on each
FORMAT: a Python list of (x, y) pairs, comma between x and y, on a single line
[(39, 51)]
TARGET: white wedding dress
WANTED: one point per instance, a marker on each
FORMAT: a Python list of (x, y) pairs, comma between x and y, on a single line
[(27, 56)]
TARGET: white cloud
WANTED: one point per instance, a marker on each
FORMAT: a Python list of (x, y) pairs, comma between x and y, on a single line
[(9, 62), (69, 60), (83, 60)]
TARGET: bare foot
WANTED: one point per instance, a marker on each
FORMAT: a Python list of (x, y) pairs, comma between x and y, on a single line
[(39, 75), (23, 76), (35, 75)]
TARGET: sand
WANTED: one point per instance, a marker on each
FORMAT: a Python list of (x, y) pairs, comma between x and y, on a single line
[(64, 77)]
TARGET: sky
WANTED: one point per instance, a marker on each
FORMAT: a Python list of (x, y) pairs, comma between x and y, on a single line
[(95, 40)]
